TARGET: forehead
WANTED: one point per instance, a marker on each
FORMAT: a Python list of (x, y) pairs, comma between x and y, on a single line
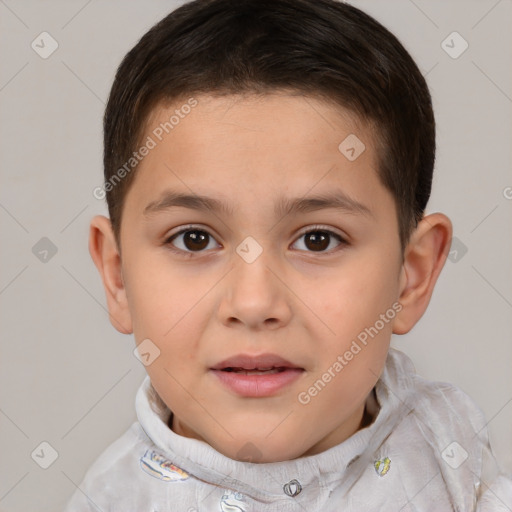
[(274, 146), (304, 117)]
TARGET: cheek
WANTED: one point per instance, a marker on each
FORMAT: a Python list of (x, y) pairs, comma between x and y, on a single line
[(353, 312), (162, 300), (357, 352), (356, 297)]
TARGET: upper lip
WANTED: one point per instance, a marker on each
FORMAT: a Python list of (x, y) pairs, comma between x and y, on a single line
[(248, 362)]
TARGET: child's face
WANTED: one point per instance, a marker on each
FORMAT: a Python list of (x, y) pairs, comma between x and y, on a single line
[(305, 299)]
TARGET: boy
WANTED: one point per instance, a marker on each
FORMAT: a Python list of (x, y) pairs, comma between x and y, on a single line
[(292, 142)]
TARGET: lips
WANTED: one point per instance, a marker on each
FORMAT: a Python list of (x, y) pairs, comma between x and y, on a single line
[(256, 376), (261, 363)]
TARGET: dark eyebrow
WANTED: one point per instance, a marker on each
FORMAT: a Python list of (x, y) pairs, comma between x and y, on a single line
[(335, 199), (192, 201), (285, 206)]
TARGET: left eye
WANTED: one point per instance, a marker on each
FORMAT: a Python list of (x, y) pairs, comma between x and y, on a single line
[(319, 240)]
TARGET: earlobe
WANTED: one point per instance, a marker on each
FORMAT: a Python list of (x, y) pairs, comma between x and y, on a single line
[(424, 259), (105, 254)]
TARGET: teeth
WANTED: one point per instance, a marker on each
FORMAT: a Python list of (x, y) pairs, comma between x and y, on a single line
[(258, 372), (255, 371)]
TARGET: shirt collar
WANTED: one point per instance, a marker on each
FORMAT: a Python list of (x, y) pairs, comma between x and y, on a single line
[(343, 461)]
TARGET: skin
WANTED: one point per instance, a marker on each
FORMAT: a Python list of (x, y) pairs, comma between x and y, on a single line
[(202, 306)]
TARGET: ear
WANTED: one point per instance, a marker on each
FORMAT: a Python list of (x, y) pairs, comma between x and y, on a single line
[(105, 254), (424, 258)]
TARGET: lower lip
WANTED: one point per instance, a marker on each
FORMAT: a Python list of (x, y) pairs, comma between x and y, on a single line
[(258, 386)]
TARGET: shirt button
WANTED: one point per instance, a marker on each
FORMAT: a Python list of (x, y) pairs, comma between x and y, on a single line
[(292, 488)]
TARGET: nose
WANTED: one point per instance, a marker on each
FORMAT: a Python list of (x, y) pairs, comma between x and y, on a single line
[(255, 295)]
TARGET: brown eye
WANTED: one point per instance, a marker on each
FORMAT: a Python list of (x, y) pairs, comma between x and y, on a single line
[(195, 240), (319, 240), (191, 240)]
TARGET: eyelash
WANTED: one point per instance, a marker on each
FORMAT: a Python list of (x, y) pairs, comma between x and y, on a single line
[(313, 229)]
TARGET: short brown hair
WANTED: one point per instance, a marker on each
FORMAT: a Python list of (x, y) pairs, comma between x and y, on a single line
[(322, 48)]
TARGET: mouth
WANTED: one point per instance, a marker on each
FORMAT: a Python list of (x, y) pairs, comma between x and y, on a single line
[(259, 363), (256, 376), (255, 371)]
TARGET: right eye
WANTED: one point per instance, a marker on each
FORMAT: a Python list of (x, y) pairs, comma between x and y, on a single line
[(190, 240)]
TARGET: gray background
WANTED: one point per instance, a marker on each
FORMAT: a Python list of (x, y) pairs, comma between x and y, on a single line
[(67, 377)]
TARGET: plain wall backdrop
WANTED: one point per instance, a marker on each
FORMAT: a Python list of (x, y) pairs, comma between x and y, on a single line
[(67, 377)]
